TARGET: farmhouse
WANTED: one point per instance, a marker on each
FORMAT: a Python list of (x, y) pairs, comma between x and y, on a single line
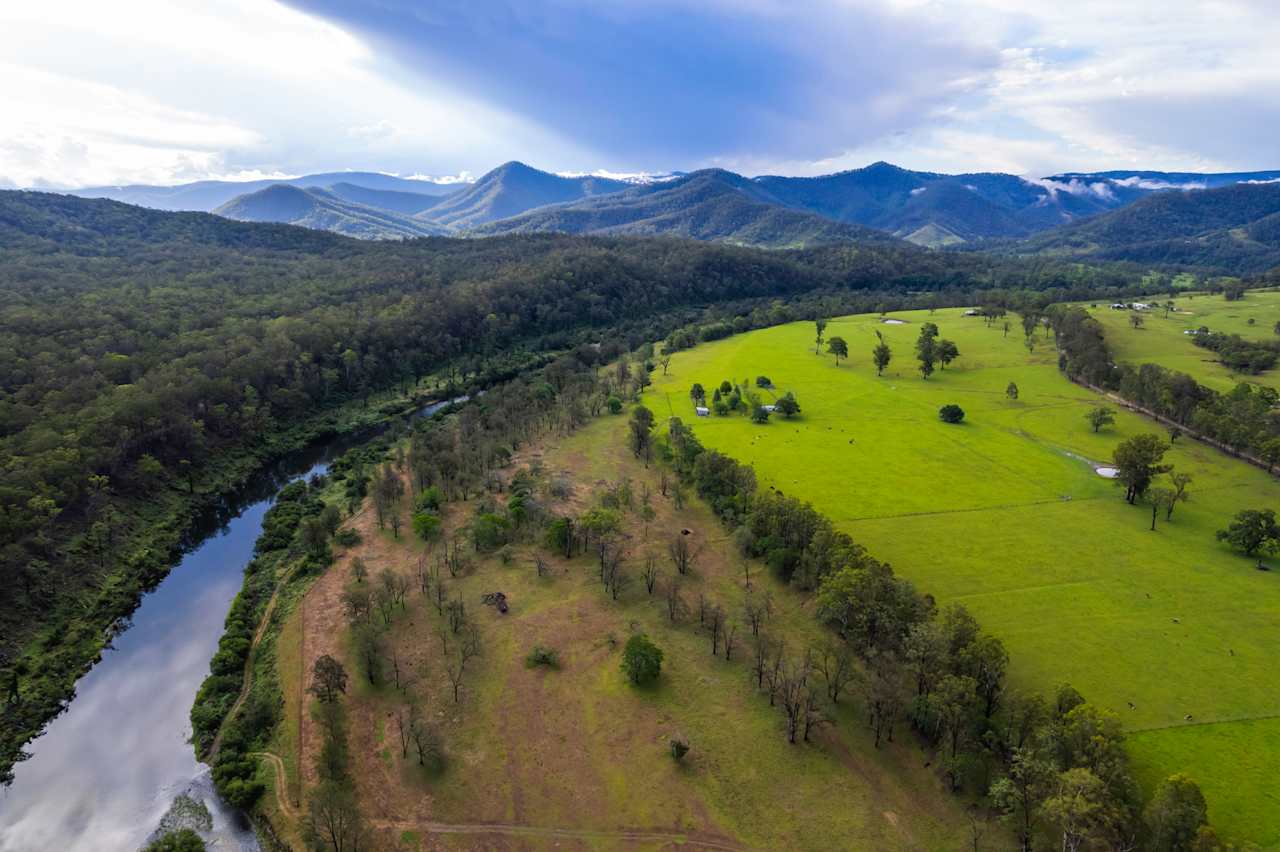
[(702, 410)]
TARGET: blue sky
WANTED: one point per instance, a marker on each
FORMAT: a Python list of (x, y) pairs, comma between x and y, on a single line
[(152, 91)]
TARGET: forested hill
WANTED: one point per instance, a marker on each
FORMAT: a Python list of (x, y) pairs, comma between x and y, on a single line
[(707, 205), (139, 350), (1234, 229)]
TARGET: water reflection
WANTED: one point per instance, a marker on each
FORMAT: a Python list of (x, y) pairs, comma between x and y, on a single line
[(106, 770)]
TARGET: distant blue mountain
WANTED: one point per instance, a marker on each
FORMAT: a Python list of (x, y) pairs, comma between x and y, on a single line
[(324, 210), (205, 195)]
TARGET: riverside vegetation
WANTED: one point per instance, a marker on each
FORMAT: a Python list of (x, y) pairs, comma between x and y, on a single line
[(154, 360)]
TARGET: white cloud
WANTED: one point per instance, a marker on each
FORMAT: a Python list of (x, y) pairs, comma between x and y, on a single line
[(1096, 85), (460, 177), (170, 90)]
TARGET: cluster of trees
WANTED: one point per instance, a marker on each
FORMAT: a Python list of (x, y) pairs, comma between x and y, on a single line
[(741, 398), (1241, 419), (931, 350), (1237, 353), (1054, 768), (333, 820)]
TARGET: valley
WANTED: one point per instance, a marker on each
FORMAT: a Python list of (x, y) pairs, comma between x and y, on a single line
[(1005, 513)]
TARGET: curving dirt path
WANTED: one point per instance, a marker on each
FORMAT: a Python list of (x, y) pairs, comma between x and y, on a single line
[(247, 680), (282, 781)]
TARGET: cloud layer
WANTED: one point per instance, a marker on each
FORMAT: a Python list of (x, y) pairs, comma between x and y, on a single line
[(164, 91)]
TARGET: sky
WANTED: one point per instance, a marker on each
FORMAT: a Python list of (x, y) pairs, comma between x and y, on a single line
[(168, 91)]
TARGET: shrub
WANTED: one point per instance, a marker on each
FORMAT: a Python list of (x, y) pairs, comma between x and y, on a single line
[(641, 660), (615, 405), (428, 500), (679, 748), (543, 656), (347, 537), (182, 840), (426, 526), (763, 382), (951, 413)]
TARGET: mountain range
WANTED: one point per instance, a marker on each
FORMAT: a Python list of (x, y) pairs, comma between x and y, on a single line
[(206, 195), (1234, 228), (1073, 213)]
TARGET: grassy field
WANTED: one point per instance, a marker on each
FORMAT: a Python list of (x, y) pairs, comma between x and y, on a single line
[(1160, 340), (1006, 514), (578, 749)]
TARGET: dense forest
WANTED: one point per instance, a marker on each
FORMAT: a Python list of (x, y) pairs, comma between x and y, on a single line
[(142, 352)]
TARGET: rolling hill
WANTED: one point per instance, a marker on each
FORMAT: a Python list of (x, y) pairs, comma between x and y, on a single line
[(707, 205), (1233, 228), (324, 210)]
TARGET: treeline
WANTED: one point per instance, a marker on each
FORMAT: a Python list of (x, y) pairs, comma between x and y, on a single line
[(1242, 419), (1237, 353), (1055, 768)]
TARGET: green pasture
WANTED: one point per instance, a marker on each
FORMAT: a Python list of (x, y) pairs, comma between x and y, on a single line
[(1160, 338), (1006, 514)]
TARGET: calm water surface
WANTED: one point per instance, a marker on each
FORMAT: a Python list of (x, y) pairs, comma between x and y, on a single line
[(107, 769)]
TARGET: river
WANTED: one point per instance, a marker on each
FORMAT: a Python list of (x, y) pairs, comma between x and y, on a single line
[(106, 770)]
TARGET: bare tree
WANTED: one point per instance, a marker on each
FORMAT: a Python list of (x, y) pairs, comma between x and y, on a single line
[(762, 647), (618, 579), (441, 593), (424, 575), (457, 613), (813, 715), (385, 599), (882, 694), (835, 662), (455, 669), (333, 819), (730, 634), (402, 724), (426, 740), (683, 555), (399, 588), (793, 694), (753, 609), (715, 626), (773, 671), (394, 659), (675, 603), (650, 573)]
